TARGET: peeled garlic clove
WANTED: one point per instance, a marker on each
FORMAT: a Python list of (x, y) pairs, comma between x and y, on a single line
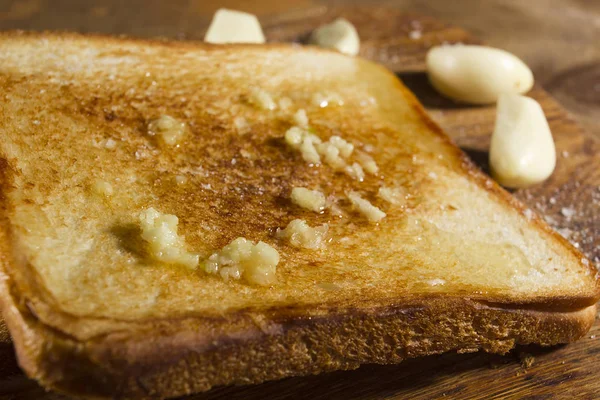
[(522, 150), (476, 74), (229, 26), (340, 35)]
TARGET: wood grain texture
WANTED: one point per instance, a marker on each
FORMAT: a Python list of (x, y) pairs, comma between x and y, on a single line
[(570, 200)]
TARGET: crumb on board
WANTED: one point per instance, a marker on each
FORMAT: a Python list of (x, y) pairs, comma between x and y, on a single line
[(527, 360)]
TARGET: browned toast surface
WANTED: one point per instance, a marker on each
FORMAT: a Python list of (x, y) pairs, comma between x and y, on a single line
[(457, 251)]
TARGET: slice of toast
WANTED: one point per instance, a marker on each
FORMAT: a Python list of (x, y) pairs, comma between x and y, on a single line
[(456, 264)]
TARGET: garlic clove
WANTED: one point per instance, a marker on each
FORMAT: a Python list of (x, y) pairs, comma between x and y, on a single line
[(229, 26), (340, 35), (522, 151), (476, 74)]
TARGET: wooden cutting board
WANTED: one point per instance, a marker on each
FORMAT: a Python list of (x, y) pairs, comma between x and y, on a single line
[(569, 200)]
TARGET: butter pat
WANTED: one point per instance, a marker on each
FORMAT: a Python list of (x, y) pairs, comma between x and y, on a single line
[(476, 74), (340, 35), (256, 263), (229, 26), (522, 151), (300, 234), (164, 243)]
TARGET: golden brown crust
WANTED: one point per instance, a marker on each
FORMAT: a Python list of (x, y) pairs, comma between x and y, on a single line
[(156, 365), (169, 357)]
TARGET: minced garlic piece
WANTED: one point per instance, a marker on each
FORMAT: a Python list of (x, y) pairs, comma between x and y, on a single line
[(343, 146), (310, 199), (367, 162), (355, 171), (300, 234), (372, 213), (241, 125), (102, 188), (304, 141), (285, 103), (309, 152), (180, 179), (301, 119), (168, 129), (110, 144), (164, 244), (331, 155), (293, 136), (256, 263), (392, 195), (262, 99)]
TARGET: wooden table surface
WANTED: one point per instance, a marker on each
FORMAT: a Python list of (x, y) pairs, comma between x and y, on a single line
[(558, 39)]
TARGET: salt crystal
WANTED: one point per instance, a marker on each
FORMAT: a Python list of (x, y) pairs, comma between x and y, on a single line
[(565, 154), (528, 213), (432, 175), (552, 200)]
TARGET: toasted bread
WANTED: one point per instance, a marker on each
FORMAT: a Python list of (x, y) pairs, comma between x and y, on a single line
[(456, 265)]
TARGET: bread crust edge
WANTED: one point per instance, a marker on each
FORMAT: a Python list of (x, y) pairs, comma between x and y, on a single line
[(153, 365)]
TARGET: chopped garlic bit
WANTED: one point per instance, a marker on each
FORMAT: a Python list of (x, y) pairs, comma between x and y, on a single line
[(392, 195), (301, 119), (241, 125), (334, 151), (304, 141), (285, 103), (331, 155), (343, 146), (372, 213), (309, 152), (355, 171), (262, 99), (164, 243), (367, 162), (256, 263), (168, 129), (180, 179), (102, 188), (312, 200), (110, 144), (300, 234)]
